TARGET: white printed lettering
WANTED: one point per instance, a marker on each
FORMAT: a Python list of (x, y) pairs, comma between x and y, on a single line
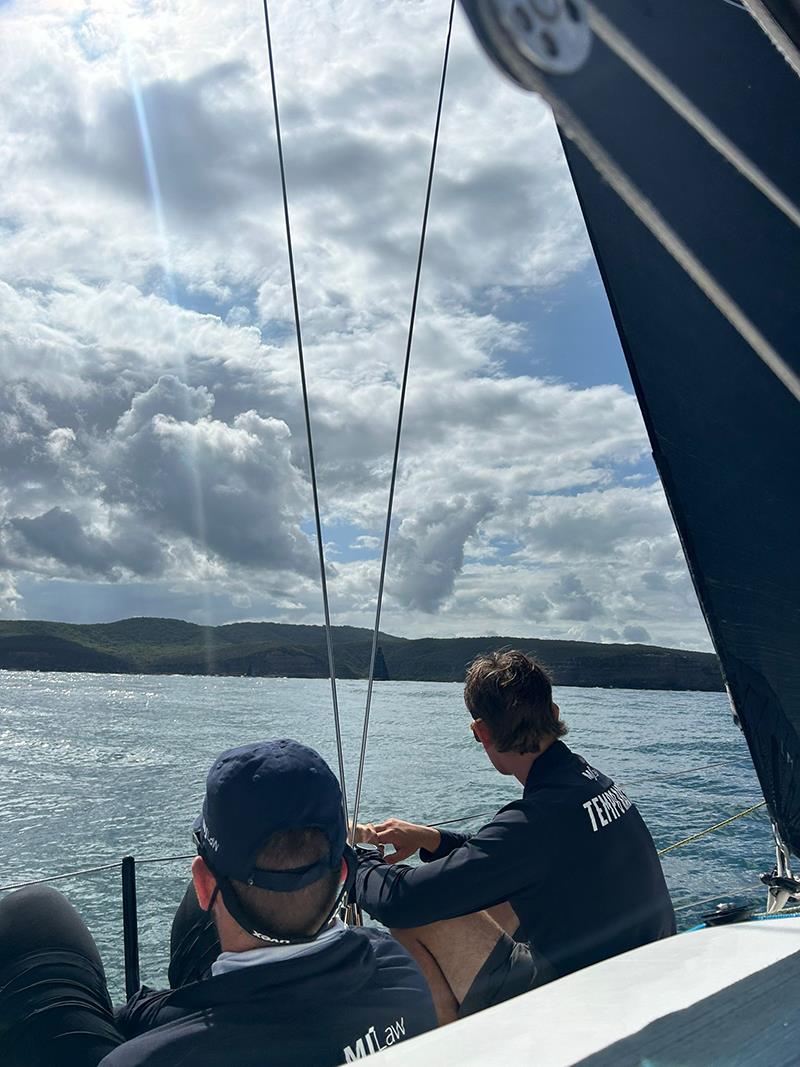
[(609, 806), (359, 1054), (370, 1042), (600, 815)]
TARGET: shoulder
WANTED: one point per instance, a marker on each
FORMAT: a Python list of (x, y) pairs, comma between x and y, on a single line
[(385, 949), (394, 967)]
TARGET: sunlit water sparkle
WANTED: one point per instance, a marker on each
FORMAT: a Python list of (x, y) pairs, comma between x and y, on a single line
[(94, 767)]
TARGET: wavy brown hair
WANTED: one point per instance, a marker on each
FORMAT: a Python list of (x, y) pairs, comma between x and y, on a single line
[(513, 695)]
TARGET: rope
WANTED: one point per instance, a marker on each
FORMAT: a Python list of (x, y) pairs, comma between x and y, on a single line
[(776, 33), (398, 434), (680, 103), (307, 414), (445, 822), (711, 829)]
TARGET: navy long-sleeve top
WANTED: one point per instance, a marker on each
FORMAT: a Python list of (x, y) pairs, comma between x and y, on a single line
[(356, 996), (573, 857)]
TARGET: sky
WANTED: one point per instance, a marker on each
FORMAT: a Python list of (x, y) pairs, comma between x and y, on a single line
[(152, 441)]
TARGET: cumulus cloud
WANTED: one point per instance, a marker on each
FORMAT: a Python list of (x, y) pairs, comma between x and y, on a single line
[(61, 536), (572, 600), (639, 634), (429, 550), (230, 487), (152, 441)]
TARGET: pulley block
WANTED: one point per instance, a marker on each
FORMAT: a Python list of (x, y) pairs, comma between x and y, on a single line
[(527, 38)]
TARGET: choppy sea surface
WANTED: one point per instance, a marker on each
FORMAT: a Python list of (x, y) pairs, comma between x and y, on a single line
[(94, 767)]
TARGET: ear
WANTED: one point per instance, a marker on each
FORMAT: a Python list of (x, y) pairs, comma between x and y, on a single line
[(343, 872), (484, 733), (556, 710), (204, 882)]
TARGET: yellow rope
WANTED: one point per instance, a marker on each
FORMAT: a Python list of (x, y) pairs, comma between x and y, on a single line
[(710, 829)]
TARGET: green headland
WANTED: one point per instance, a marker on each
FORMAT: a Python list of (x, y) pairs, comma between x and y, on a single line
[(269, 649)]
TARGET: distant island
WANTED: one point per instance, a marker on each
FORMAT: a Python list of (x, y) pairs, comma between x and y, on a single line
[(270, 649)]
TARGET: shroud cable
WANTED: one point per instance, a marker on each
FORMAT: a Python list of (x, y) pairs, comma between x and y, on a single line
[(307, 414)]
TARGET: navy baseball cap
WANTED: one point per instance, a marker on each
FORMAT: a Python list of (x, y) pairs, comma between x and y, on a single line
[(256, 790)]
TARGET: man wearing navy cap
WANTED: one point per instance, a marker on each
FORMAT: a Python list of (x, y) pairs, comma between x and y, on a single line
[(262, 970)]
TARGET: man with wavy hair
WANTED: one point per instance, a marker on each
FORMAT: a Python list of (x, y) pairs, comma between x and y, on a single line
[(562, 878)]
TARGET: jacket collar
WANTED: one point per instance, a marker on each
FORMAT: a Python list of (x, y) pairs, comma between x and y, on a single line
[(551, 761), (347, 960)]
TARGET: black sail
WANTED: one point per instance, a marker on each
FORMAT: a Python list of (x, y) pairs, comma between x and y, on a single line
[(725, 431)]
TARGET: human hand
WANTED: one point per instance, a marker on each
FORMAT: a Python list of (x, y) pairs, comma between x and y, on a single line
[(405, 837), (365, 834)]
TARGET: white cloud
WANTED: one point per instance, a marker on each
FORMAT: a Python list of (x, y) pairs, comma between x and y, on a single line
[(151, 434)]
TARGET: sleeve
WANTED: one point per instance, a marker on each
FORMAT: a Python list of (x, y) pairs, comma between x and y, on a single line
[(486, 869), (451, 840), (141, 1012)]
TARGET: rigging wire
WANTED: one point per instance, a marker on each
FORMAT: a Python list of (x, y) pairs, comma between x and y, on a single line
[(669, 240), (668, 775), (61, 877), (662, 231), (306, 413), (398, 434), (669, 92), (776, 33), (464, 818)]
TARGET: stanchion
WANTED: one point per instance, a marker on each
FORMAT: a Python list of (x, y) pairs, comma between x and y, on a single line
[(130, 926)]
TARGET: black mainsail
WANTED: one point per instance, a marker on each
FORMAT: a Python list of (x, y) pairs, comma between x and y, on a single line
[(723, 416)]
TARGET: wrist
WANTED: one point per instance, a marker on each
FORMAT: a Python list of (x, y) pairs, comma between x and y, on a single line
[(431, 838)]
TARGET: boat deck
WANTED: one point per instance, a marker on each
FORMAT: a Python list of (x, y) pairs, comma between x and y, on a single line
[(723, 995)]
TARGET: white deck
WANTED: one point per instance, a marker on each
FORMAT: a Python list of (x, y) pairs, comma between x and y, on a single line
[(585, 1012)]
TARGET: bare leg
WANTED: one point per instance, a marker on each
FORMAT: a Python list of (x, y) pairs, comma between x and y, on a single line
[(450, 954), (505, 917), (444, 1001)]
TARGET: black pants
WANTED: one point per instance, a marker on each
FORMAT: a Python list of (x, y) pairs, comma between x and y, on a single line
[(54, 1003)]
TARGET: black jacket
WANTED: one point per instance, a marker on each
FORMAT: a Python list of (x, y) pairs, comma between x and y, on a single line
[(360, 993), (573, 857)]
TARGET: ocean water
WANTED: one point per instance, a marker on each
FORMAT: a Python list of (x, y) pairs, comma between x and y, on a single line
[(94, 767)]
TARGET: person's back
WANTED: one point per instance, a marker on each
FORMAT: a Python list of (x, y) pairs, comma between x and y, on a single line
[(262, 970), (357, 994), (572, 857), (585, 899), (291, 980), (569, 870)]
